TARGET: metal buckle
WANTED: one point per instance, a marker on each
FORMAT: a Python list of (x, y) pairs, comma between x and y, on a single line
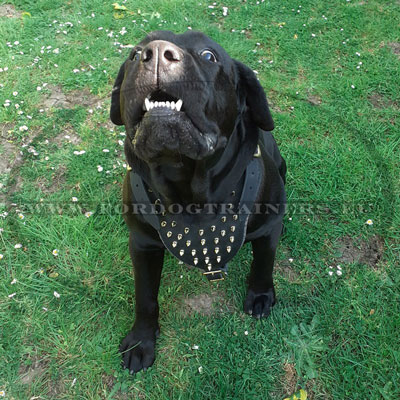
[(257, 154), (211, 278)]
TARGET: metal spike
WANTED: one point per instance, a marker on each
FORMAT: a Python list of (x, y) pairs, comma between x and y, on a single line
[(216, 250), (181, 252), (195, 261), (173, 224), (186, 230), (233, 193), (201, 232), (223, 219), (158, 201), (216, 240), (218, 258), (228, 249), (169, 234), (207, 259), (205, 251), (230, 205), (179, 236), (233, 228), (209, 267), (149, 190), (164, 224), (223, 233), (174, 244), (235, 217), (213, 227), (203, 242), (232, 239), (188, 243), (193, 252), (164, 213)]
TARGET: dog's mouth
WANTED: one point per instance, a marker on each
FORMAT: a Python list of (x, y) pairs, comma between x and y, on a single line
[(160, 99), (165, 129)]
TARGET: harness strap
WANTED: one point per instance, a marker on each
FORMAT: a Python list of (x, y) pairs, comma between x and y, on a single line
[(204, 239)]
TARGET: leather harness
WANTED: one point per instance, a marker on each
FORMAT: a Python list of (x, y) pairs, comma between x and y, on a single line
[(207, 237)]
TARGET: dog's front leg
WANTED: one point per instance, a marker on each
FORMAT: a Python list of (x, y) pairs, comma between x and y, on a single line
[(138, 346), (261, 292)]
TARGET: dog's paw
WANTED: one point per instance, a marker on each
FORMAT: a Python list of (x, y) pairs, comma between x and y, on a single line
[(137, 350), (259, 305)]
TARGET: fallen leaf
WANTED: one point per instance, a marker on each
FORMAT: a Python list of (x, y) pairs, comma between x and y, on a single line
[(118, 7)]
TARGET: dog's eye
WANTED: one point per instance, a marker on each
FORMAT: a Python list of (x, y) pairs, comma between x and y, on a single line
[(208, 55), (136, 55)]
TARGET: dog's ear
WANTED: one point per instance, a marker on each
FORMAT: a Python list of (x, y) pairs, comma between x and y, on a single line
[(250, 88), (115, 110)]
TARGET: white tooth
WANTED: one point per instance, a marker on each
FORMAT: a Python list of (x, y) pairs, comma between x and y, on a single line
[(168, 104), (179, 105), (147, 104), (172, 105), (156, 104), (162, 104), (151, 105)]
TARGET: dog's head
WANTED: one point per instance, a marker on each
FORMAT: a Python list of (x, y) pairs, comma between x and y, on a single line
[(181, 95)]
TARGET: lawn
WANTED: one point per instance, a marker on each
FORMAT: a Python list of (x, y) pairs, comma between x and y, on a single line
[(331, 71)]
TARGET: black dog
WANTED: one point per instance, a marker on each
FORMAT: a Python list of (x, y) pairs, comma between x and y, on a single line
[(205, 173)]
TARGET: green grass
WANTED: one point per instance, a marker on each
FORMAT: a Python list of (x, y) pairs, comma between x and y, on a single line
[(334, 336)]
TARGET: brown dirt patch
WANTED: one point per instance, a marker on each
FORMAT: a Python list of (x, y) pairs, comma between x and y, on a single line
[(55, 388), (378, 101), (315, 391), (9, 154), (314, 100), (30, 373), (67, 136), (206, 304), (10, 159), (284, 268), (275, 108), (58, 99), (38, 370), (360, 251), (6, 130), (273, 100), (108, 381), (9, 11), (395, 46), (290, 385), (290, 379), (57, 180)]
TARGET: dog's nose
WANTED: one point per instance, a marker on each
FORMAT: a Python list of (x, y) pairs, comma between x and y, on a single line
[(162, 53)]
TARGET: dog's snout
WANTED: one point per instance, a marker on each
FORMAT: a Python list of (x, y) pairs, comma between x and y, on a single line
[(161, 52)]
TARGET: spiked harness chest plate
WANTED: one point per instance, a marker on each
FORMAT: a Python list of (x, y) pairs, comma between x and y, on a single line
[(205, 238)]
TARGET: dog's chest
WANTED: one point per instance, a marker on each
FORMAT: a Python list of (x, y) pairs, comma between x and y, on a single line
[(205, 238)]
